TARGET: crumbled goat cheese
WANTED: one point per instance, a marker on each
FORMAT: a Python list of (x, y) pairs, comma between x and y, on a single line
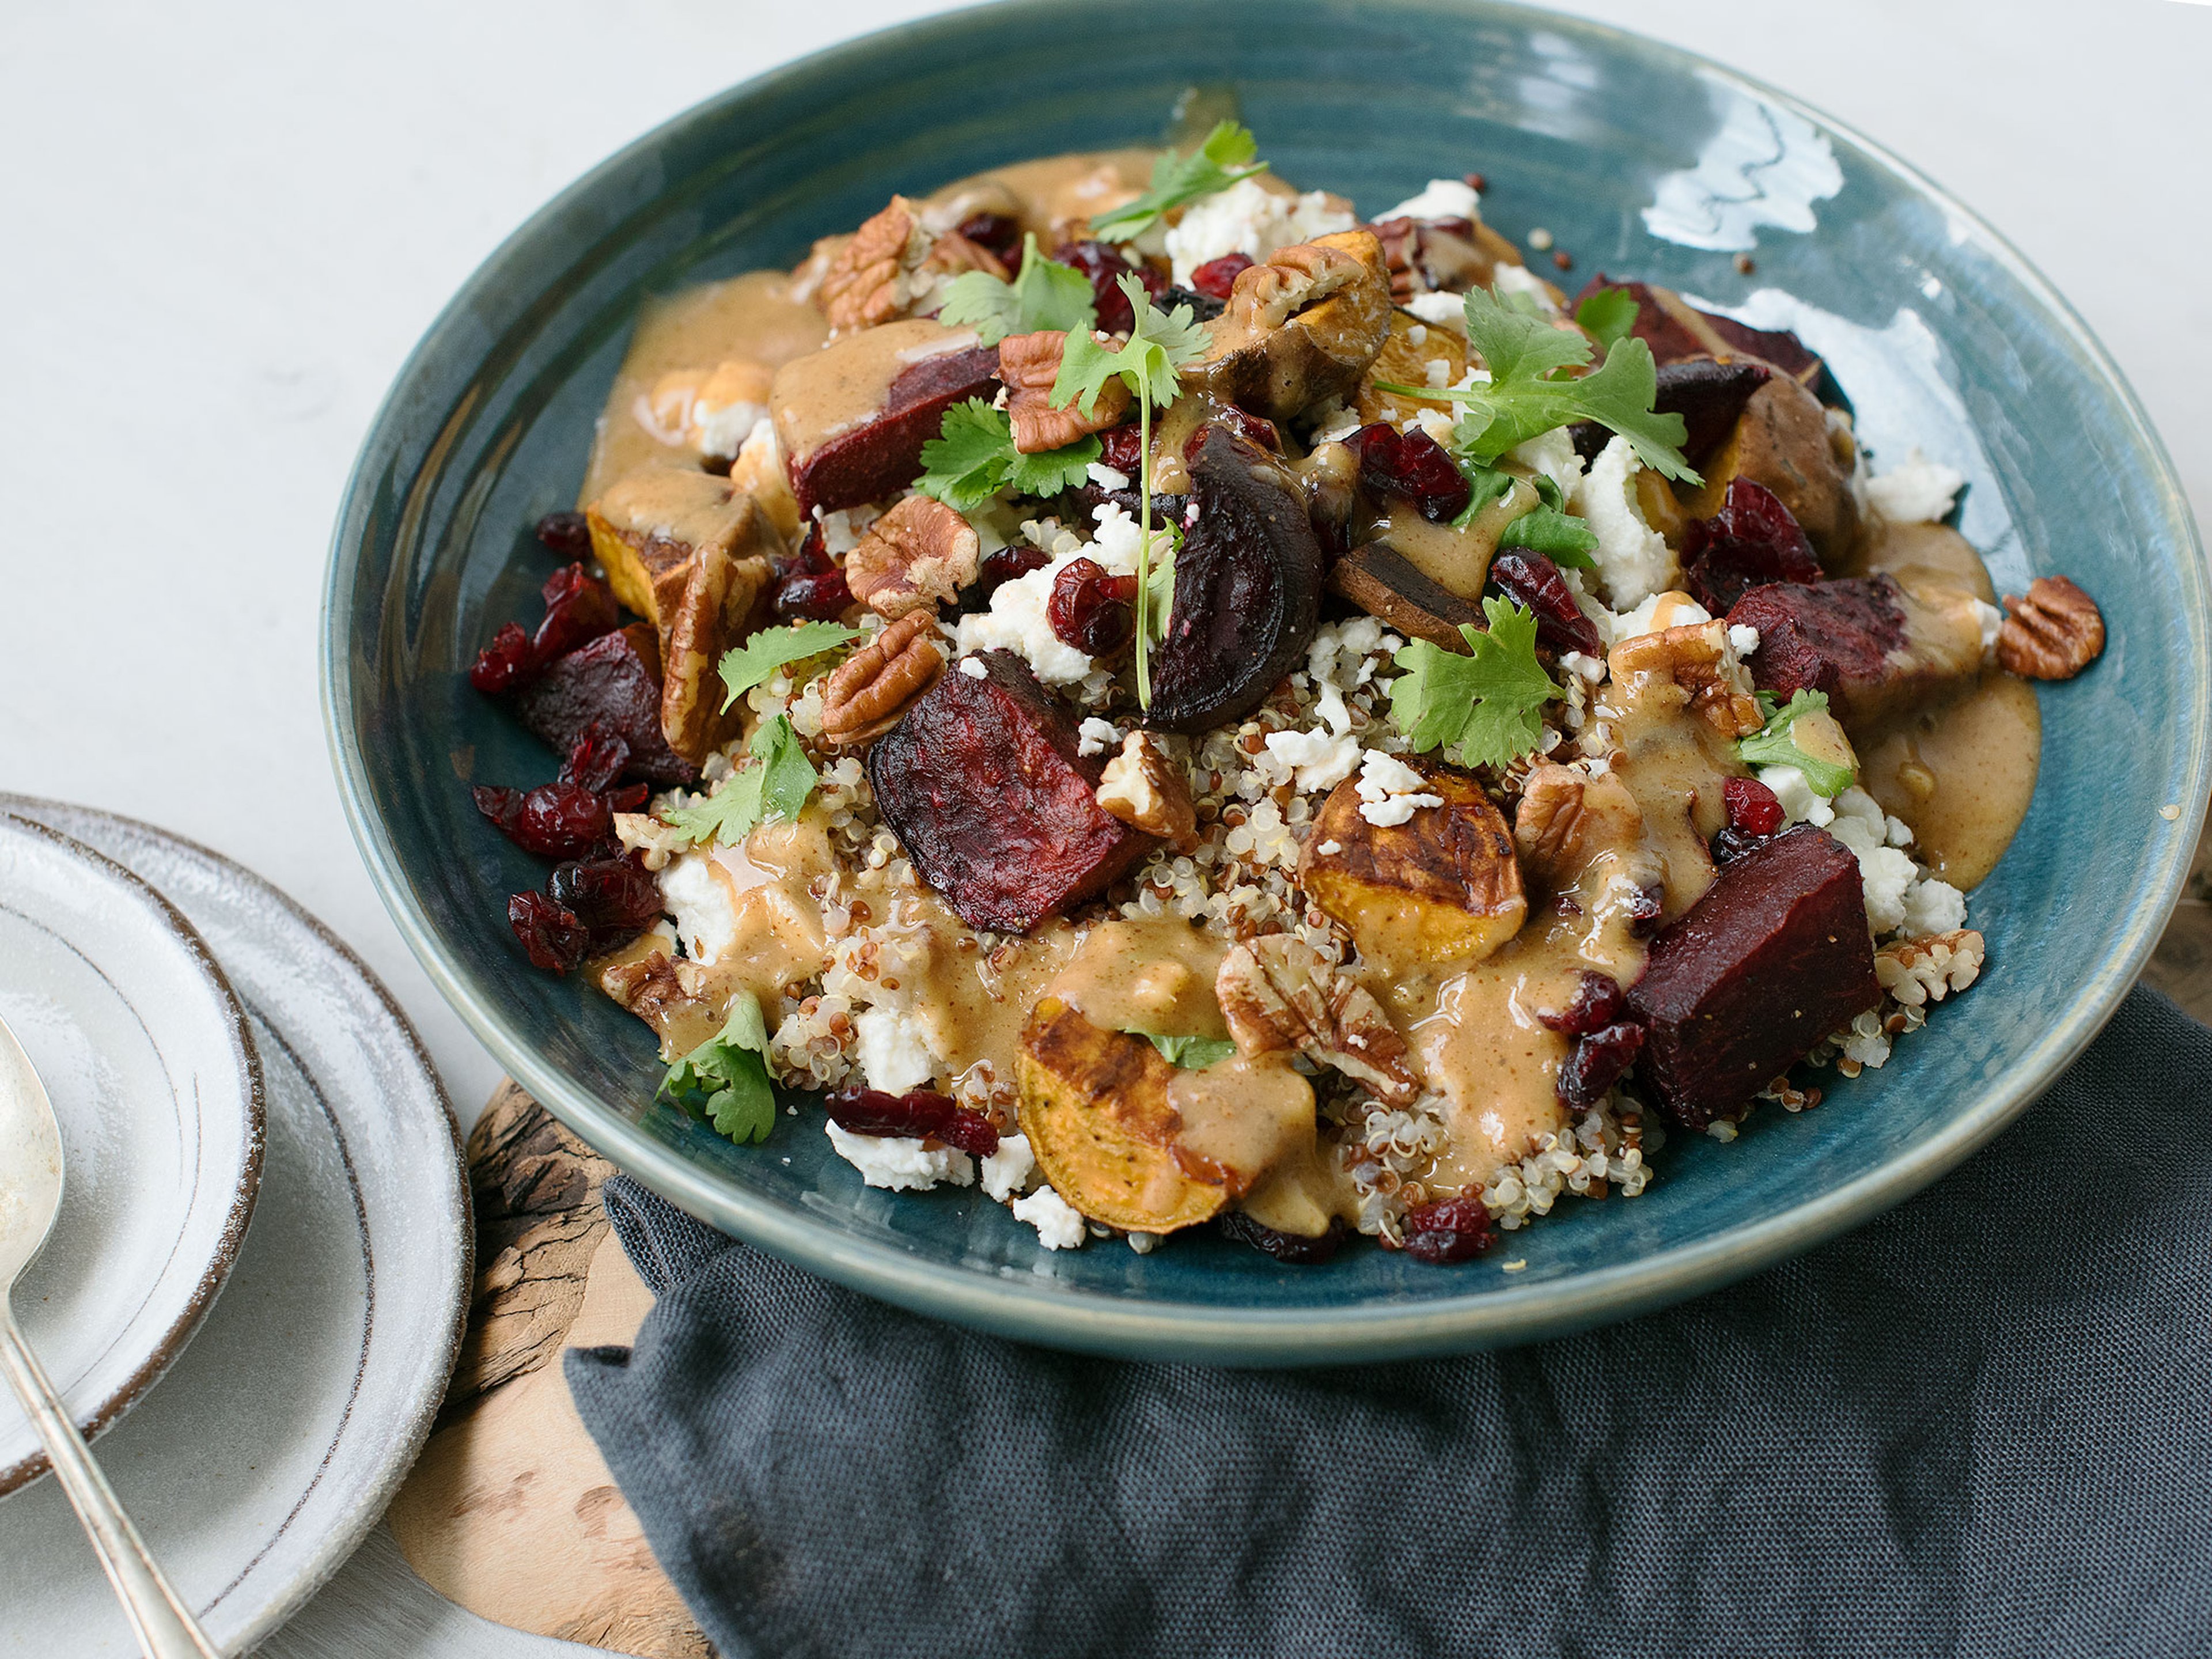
[(841, 530), (891, 1050), (1920, 491), (1519, 279), (1440, 198), (1800, 802), (1058, 1224), (1096, 737), (1991, 620), (1633, 560), (1447, 309), (1590, 669), (699, 899), (1434, 422), (1017, 620), (1321, 760), (1933, 906), (974, 669), (1885, 871), (1105, 476), (1658, 613), (1744, 638), (1553, 453), (727, 429), (1248, 218), (900, 1163), (1007, 1170), (1389, 790)]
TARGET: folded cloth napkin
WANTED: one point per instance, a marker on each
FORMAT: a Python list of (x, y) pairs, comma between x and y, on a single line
[(1980, 1424)]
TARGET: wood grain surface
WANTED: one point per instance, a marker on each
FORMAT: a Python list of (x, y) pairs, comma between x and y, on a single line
[(512, 1513)]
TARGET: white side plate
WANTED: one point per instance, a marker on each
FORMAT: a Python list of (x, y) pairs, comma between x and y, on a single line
[(276, 1441)]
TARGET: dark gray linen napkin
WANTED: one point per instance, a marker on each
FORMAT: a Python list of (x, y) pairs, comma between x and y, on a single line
[(1977, 1425)]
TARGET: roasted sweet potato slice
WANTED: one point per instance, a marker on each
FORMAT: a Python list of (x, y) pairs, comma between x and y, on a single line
[(1773, 958), (1872, 644), (1385, 583), (1443, 886), (1094, 1105), (616, 678), (981, 782), (852, 417), (1783, 441)]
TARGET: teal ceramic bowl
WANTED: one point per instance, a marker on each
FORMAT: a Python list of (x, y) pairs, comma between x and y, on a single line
[(1643, 160)]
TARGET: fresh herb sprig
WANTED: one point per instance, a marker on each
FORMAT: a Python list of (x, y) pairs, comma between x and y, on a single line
[(973, 457), (1609, 314), (1189, 1054), (774, 785), (1044, 294), (1226, 157), (751, 664), (1159, 344), (724, 1081), (1485, 703)]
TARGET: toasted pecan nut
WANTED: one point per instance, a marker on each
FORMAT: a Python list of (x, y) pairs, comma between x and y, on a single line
[(1029, 364), (2052, 634), (1304, 327), (1699, 658), (916, 556), (1147, 790), (1566, 818), (1279, 993), (864, 285), (871, 688)]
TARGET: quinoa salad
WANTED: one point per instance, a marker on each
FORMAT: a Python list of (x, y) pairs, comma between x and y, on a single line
[(1174, 702)]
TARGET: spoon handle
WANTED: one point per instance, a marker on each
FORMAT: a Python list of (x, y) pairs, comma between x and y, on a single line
[(165, 1630)]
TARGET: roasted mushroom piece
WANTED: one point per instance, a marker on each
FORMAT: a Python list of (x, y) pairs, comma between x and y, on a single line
[(1302, 327)]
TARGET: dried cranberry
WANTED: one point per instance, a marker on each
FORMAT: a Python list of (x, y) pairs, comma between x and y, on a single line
[(1451, 1230), (1123, 450), (1217, 276), (919, 1114), (1018, 559), (1105, 267), (1203, 307), (1751, 542), (1294, 1248), (569, 534), (579, 609), (504, 664), (1597, 1062), (820, 597), (1752, 807), (628, 798), (1090, 611), (615, 898), (1253, 428), (1412, 465), (1645, 906), (1001, 233), (554, 820), (1535, 581), (1597, 1002), (596, 757), (549, 931), (811, 559), (1732, 844)]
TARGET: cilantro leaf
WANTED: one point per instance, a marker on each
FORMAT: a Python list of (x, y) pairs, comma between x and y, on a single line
[(1559, 536), (974, 458), (1225, 157), (1192, 1053), (774, 785), (1516, 344), (751, 664), (1609, 314), (1490, 483), (1044, 294), (1774, 744), (1159, 343), (724, 1081), (1485, 703)]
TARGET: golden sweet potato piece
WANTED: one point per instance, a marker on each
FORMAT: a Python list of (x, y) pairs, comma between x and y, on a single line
[(1442, 887), (1783, 441), (1412, 346), (1094, 1105)]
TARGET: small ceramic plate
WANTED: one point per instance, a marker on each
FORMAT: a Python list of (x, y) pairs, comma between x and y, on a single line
[(144, 1052), (275, 1442)]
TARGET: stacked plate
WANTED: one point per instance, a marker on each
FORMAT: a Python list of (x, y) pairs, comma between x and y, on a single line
[(257, 1281)]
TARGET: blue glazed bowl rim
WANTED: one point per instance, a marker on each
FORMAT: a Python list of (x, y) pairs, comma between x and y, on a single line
[(1188, 1331)]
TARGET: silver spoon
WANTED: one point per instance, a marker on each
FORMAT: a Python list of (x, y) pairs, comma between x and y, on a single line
[(30, 1196)]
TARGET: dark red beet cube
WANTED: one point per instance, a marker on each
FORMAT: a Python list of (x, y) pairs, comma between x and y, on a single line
[(1773, 958), (1834, 636), (875, 451), (614, 680), (1751, 542), (981, 784), (1670, 340)]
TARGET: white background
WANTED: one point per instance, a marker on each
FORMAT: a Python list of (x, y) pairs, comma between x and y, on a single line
[(222, 227)]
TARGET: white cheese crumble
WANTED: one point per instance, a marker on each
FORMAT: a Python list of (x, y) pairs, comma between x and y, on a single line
[(1885, 872), (1991, 620), (1553, 453), (1248, 218), (974, 669), (1058, 1224), (1744, 637), (1633, 560), (1105, 476), (1007, 1170), (1800, 802), (1440, 198), (1519, 279), (900, 1163), (1919, 491), (1656, 615), (1450, 309), (1933, 906), (891, 1051), (699, 900), (727, 429), (1096, 737), (1390, 791), (1318, 759), (1434, 422), (1017, 621)]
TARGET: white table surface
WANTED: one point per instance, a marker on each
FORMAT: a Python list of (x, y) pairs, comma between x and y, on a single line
[(226, 224)]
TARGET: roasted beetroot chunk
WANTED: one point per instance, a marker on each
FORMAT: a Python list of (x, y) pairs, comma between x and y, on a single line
[(1298, 1250), (981, 783), (851, 449), (1752, 541), (1674, 329), (614, 681), (1871, 645), (1774, 957), (1247, 590)]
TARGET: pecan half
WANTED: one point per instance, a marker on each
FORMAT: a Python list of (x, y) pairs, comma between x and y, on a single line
[(1699, 658), (1029, 364), (1147, 790), (1919, 971), (873, 687), (893, 263), (916, 556), (2052, 634), (1278, 993), (1566, 818)]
